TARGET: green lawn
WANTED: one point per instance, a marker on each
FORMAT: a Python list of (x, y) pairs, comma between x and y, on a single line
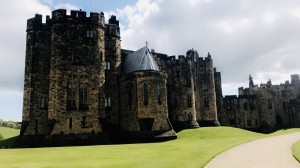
[(193, 148), (296, 150), (9, 136), (9, 132)]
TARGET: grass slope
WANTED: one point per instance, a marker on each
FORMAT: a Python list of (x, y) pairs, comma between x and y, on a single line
[(193, 148), (296, 150), (9, 136), (9, 132)]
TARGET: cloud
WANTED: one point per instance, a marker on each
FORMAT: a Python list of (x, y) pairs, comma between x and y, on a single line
[(12, 41), (66, 6), (244, 37)]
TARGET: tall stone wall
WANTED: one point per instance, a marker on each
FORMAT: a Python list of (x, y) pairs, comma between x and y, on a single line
[(76, 72), (112, 71), (266, 107), (191, 89), (144, 102), (36, 82), (64, 74)]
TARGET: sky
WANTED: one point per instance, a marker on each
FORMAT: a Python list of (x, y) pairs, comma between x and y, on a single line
[(244, 37)]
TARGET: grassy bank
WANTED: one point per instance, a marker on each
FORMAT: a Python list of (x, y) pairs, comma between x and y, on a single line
[(9, 136), (193, 148), (9, 132), (296, 150)]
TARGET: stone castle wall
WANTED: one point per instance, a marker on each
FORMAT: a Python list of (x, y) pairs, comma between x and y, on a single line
[(191, 89), (74, 87), (266, 107)]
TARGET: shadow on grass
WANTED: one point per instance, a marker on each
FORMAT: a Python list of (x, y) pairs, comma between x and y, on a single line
[(9, 142)]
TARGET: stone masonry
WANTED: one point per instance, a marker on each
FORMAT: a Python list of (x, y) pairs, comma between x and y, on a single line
[(264, 108), (81, 88)]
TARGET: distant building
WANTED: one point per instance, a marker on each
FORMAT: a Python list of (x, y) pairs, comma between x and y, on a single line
[(81, 88), (265, 108)]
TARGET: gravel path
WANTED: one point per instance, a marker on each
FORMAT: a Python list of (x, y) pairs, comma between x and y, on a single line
[(272, 152)]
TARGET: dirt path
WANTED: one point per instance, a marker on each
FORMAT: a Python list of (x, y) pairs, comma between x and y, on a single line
[(273, 152)]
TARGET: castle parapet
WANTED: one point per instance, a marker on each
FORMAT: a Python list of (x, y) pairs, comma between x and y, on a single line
[(60, 15), (35, 23)]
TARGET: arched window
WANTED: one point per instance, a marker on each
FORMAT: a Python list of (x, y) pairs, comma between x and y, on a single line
[(107, 65), (107, 101), (158, 93), (146, 92), (269, 104), (83, 105), (71, 95)]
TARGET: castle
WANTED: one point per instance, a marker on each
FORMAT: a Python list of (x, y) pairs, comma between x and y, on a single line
[(80, 87), (264, 108)]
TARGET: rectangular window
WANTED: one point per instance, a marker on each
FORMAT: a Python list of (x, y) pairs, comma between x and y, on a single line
[(158, 93), (145, 95), (91, 33), (36, 126), (43, 103), (245, 106), (205, 88), (107, 65), (206, 102), (83, 105), (269, 104), (249, 123), (189, 101), (71, 94), (187, 82), (83, 122), (70, 123), (107, 102), (130, 99)]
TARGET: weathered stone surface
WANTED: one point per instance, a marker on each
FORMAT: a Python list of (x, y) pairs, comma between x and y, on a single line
[(75, 89), (266, 107)]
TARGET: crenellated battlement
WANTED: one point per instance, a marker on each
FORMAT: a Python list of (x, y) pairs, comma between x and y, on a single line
[(191, 55), (61, 16)]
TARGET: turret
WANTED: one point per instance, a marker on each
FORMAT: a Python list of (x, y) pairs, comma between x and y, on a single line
[(295, 80), (113, 69), (207, 96), (36, 78), (251, 84)]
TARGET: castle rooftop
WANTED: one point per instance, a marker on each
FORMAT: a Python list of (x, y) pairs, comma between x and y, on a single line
[(140, 60)]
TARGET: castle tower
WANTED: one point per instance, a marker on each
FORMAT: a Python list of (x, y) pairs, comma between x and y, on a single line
[(77, 73), (64, 76), (218, 90), (251, 83), (36, 82), (207, 93), (112, 70), (143, 93), (181, 94), (295, 80)]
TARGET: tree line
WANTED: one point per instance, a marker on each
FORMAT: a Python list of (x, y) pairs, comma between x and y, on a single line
[(10, 124)]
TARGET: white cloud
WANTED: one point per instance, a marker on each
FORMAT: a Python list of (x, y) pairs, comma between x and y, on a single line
[(12, 41), (66, 6), (244, 37)]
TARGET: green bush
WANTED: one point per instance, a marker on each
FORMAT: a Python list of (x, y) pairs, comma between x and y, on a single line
[(1, 137)]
